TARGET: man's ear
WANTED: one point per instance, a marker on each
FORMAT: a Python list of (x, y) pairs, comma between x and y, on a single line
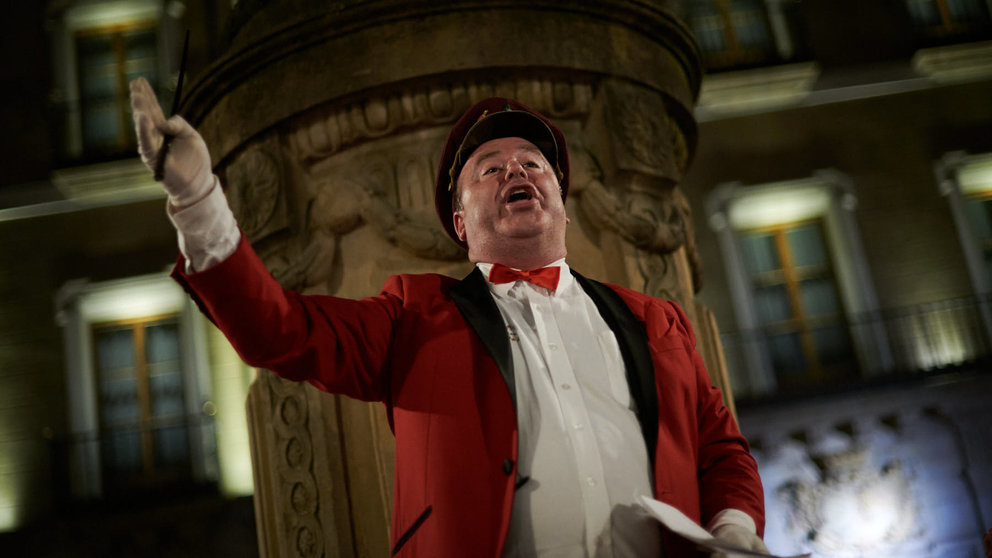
[(459, 223)]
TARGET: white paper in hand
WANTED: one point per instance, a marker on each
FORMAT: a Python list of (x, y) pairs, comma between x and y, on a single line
[(681, 525)]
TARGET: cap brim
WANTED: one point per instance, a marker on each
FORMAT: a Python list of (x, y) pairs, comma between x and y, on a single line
[(506, 124)]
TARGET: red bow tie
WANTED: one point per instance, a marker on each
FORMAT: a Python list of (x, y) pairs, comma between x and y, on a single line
[(546, 277)]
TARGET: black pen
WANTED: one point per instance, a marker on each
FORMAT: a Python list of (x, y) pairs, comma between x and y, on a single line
[(160, 162)]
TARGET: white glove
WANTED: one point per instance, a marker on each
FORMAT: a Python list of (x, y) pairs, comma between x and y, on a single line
[(188, 177), (737, 536)]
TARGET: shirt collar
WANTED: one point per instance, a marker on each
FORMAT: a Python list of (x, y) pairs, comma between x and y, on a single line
[(565, 279)]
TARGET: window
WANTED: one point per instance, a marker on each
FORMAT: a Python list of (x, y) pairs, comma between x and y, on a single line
[(949, 18), (802, 294), (107, 60), (966, 180), (144, 434), (97, 47), (797, 302), (732, 32), (978, 208), (138, 384)]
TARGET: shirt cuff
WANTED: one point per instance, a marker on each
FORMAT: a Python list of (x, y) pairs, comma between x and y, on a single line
[(730, 516), (206, 230)]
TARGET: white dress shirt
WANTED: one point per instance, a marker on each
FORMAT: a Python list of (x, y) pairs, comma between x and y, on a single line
[(580, 444)]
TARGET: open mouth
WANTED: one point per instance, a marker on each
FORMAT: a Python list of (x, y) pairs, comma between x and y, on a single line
[(520, 194)]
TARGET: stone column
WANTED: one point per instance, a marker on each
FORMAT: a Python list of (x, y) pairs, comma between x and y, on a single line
[(325, 121)]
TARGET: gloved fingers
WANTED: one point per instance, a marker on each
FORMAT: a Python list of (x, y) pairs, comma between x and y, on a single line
[(149, 138), (144, 101), (176, 126), (739, 536), (147, 114)]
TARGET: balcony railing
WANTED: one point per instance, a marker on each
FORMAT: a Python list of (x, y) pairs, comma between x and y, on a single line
[(887, 345), (89, 465)]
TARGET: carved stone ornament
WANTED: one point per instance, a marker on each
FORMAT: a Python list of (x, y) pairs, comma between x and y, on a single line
[(655, 222), (327, 130), (289, 417), (639, 131), (254, 187)]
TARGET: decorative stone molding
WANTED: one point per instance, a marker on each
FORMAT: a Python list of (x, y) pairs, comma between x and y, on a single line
[(886, 473), (327, 130), (285, 424), (639, 150), (254, 186)]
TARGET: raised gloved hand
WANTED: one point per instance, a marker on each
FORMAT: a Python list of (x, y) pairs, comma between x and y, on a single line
[(737, 536), (188, 176)]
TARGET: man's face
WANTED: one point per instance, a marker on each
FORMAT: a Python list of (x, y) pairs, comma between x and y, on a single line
[(509, 194)]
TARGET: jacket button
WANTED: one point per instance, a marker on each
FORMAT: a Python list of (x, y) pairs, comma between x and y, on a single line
[(507, 466)]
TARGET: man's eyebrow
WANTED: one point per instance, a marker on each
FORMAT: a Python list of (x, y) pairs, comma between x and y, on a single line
[(528, 148), (486, 156)]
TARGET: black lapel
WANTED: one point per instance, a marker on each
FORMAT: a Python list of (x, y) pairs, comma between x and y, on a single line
[(636, 355), (472, 297)]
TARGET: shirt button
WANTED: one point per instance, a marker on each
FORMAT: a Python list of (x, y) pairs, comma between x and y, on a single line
[(590, 481), (553, 347), (566, 386), (578, 426)]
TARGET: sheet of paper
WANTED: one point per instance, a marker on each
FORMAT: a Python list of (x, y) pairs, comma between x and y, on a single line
[(681, 525)]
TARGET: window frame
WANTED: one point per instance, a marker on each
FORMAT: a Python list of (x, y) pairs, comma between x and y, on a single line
[(115, 31), (149, 474), (734, 56), (752, 373), (82, 17), (80, 305), (946, 171), (799, 321)]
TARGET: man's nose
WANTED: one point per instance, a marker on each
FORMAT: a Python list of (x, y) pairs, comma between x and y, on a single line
[(514, 168)]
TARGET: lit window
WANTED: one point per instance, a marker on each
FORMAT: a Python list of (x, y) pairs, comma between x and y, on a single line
[(800, 285), (979, 212), (143, 422), (107, 60), (967, 182), (797, 302)]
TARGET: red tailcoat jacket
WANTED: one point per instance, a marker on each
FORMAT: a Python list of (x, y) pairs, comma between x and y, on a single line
[(435, 351)]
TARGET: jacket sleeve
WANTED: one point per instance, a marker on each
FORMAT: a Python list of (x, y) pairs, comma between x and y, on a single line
[(338, 345), (728, 475)]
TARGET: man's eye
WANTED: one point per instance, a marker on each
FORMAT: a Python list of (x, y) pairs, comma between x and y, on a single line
[(531, 164), (490, 170)]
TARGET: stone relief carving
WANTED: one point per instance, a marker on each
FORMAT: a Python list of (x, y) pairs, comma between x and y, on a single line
[(338, 210), (637, 153), (254, 185), (848, 483), (289, 417), (325, 131), (656, 222)]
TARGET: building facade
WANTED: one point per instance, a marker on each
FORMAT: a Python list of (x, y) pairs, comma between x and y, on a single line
[(837, 175)]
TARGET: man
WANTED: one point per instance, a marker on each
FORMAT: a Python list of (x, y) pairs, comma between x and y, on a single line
[(530, 405)]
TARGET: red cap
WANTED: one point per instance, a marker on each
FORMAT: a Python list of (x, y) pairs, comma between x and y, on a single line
[(489, 119)]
